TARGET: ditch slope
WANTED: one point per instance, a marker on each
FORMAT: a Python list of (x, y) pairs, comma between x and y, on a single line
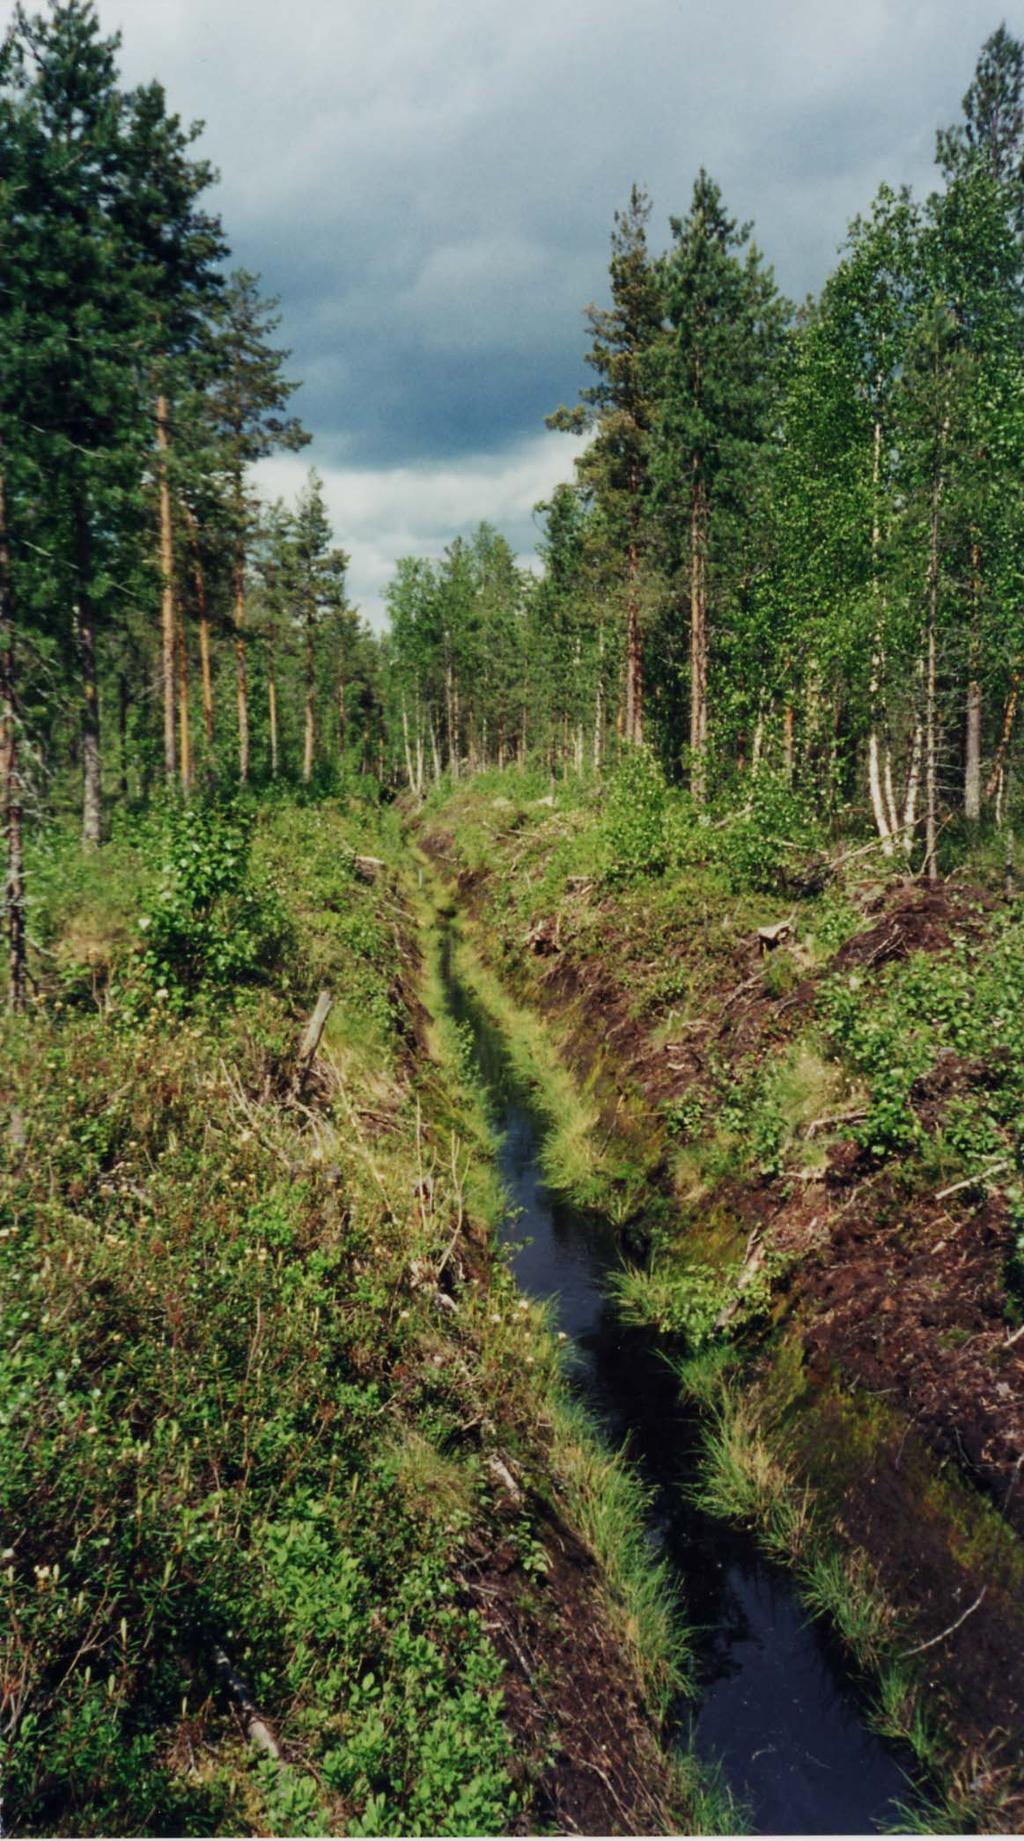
[(858, 1265)]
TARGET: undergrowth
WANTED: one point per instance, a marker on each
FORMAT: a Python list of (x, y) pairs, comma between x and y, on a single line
[(249, 1393), (216, 1361)]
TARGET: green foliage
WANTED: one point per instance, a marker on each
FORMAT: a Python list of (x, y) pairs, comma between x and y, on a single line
[(891, 1030), (214, 924), (684, 1117), (1015, 1258), (633, 831), (766, 842), (199, 1341), (682, 1300), (752, 1113)]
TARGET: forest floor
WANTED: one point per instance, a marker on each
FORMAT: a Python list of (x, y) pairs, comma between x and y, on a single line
[(273, 1412), (812, 1151)]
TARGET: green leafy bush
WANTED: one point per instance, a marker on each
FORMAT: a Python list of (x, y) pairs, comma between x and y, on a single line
[(891, 1030), (214, 923), (763, 845), (683, 1300), (634, 828)]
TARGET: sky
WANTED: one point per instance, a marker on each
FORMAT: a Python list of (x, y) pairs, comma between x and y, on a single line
[(429, 187)]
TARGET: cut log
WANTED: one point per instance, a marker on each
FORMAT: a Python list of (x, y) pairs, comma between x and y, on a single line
[(311, 1038), (368, 868), (503, 1477)]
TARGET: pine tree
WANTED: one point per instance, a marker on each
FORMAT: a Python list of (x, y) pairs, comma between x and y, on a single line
[(313, 577), (619, 410), (720, 373), (85, 324), (245, 401), (179, 245)]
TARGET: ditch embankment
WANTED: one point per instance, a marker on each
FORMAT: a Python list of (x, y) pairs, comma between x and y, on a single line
[(838, 1312), (769, 1707)]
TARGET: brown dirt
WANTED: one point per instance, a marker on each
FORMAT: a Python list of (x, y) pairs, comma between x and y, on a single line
[(914, 1303), (569, 1695), (918, 920)]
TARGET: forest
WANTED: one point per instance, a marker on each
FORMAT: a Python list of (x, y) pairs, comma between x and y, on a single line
[(636, 925)]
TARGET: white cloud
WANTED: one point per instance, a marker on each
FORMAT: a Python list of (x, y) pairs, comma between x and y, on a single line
[(380, 514)]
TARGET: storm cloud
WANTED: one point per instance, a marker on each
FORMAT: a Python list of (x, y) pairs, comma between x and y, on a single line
[(429, 186)]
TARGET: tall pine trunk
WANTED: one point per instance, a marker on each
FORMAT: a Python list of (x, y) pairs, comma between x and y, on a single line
[(599, 702), (122, 731), (10, 777), (698, 636), (634, 648), (92, 779), (879, 774), (788, 739), (972, 735), (241, 672), (203, 616), (184, 713), (309, 741), (167, 610), (272, 715)]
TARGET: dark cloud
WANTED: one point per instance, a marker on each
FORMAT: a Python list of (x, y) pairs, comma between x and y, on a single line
[(429, 184)]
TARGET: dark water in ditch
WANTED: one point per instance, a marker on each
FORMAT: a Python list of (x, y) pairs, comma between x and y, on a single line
[(775, 1709)]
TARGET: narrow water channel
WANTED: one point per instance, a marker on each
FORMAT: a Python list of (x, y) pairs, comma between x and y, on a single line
[(775, 1708)]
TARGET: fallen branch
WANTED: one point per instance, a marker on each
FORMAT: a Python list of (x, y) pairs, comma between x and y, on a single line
[(848, 1117), (919, 1648), (972, 1182)]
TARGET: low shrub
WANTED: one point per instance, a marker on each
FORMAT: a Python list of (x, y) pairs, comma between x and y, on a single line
[(764, 844), (634, 827), (214, 923)]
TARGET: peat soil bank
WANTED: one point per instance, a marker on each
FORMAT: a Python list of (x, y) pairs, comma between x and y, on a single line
[(776, 1707)]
